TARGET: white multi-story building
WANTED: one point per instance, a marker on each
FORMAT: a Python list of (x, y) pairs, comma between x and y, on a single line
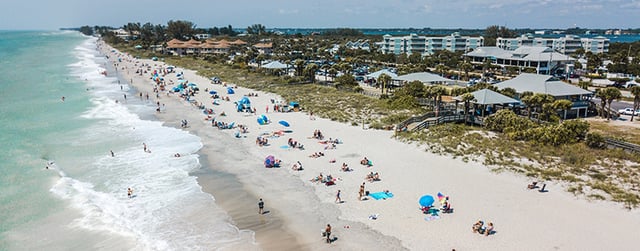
[(566, 45), (428, 45)]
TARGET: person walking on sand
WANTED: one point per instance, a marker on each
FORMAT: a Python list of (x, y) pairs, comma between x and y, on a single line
[(260, 206), (338, 200), (327, 232), (361, 192), (129, 192), (144, 147)]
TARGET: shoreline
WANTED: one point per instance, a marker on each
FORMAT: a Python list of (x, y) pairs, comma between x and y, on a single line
[(537, 221)]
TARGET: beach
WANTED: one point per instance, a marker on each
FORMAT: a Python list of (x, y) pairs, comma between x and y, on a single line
[(298, 209)]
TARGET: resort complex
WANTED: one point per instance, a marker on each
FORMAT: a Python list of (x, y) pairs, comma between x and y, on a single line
[(424, 45), (566, 45)]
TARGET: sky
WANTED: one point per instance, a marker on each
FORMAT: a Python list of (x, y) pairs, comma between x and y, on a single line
[(540, 14)]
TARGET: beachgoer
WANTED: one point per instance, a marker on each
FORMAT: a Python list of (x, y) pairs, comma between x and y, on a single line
[(477, 227), (129, 192), (144, 146), (62, 98), (361, 192), (112, 154), (489, 229), (327, 232), (260, 206), (338, 200)]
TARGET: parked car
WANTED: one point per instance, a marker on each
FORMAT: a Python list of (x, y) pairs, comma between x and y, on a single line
[(629, 111)]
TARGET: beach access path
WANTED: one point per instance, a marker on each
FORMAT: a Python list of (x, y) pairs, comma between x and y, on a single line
[(524, 219)]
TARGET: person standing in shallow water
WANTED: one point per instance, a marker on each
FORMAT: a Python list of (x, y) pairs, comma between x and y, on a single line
[(260, 206)]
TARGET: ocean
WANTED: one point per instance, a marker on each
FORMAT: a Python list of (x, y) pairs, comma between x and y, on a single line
[(80, 202)]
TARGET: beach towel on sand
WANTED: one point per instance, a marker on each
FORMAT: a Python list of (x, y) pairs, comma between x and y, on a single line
[(381, 195), (431, 217)]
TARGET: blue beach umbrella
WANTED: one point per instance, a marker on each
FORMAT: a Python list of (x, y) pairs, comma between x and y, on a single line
[(212, 92), (426, 200), (192, 84), (283, 123)]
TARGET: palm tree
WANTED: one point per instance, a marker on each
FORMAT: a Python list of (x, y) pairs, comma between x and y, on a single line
[(527, 99), (299, 65), (310, 71), (442, 69), (612, 93), (509, 92), (467, 98), (601, 94), (466, 67), (384, 79), (584, 84), (562, 104), (635, 91)]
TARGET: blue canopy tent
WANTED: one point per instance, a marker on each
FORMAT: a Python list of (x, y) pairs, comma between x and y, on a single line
[(244, 103), (212, 92), (230, 90)]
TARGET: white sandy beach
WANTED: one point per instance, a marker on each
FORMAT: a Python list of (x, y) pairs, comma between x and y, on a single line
[(524, 219)]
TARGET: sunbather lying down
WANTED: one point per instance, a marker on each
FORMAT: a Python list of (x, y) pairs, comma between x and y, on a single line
[(371, 177), (316, 155)]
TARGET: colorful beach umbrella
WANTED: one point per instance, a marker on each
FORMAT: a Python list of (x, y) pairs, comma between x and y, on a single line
[(426, 200)]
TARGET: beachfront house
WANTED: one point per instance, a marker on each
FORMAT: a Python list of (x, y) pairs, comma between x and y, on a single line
[(545, 60), (545, 84), (264, 48), (487, 102), (209, 46)]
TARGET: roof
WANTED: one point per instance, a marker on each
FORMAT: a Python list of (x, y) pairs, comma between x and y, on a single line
[(524, 53), (423, 77), (542, 84), (380, 72), (263, 45), (489, 97), (275, 65)]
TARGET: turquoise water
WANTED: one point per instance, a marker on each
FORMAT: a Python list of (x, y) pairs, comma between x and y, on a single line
[(80, 202)]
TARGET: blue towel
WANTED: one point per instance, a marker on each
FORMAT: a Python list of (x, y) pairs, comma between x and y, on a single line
[(381, 195)]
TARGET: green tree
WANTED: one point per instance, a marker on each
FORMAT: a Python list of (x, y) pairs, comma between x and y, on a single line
[(442, 69), (346, 82), (635, 91), (299, 67), (256, 29), (466, 67), (467, 98), (310, 71), (384, 79), (563, 105), (180, 29), (509, 92), (584, 84)]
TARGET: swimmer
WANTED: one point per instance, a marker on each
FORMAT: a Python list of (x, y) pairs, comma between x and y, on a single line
[(112, 154), (62, 98)]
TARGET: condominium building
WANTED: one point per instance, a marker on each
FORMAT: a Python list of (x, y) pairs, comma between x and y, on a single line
[(566, 45), (428, 45)]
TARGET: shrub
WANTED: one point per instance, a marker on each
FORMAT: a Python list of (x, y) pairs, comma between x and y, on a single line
[(595, 140)]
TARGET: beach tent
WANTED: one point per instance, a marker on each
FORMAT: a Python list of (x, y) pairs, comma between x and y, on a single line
[(212, 92), (426, 200), (230, 90)]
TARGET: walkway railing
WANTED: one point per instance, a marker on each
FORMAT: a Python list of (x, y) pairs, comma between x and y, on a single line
[(613, 143)]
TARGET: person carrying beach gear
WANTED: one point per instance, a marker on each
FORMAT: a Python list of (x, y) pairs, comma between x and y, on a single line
[(327, 233)]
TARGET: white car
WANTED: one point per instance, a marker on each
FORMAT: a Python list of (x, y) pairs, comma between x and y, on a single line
[(629, 111)]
